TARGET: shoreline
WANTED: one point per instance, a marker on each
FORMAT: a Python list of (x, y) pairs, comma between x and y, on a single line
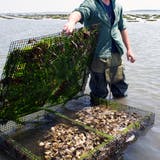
[(35, 16), (130, 17)]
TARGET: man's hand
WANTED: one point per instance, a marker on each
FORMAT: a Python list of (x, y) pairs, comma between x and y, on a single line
[(130, 56), (69, 27), (72, 20)]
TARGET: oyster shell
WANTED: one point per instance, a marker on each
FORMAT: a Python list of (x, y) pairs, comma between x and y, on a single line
[(106, 120), (65, 142)]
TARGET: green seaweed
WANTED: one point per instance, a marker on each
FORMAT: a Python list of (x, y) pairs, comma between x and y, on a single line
[(50, 71), (90, 154), (134, 126)]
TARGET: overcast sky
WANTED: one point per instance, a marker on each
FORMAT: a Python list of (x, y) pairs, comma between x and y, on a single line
[(66, 5)]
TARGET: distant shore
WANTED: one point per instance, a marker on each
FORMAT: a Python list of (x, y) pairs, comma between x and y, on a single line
[(36, 16), (139, 17), (130, 17)]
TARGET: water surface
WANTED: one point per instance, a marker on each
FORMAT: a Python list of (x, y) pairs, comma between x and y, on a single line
[(143, 76)]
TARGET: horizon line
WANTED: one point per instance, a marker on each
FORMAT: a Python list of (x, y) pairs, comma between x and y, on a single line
[(23, 12)]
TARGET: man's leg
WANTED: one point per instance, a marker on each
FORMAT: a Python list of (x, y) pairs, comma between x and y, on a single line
[(119, 89), (98, 87), (118, 85)]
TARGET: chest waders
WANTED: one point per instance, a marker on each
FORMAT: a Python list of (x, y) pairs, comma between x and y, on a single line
[(113, 72), (104, 73)]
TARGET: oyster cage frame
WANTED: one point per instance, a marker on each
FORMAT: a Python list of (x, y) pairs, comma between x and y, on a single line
[(15, 134), (33, 75), (111, 148)]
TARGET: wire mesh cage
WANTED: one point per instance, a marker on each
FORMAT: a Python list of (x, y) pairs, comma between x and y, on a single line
[(44, 113), (19, 44), (100, 132), (49, 69)]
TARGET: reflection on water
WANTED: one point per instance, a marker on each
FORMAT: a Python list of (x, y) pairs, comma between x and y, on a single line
[(143, 76)]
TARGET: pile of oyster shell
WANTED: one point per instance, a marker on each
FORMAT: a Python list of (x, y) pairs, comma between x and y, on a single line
[(109, 121), (69, 142), (65, 142)]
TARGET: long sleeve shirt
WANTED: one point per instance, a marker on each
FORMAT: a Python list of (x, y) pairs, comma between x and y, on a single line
[(94, 12)]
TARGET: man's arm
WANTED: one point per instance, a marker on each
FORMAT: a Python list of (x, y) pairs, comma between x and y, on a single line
[(130, 55), (72, 20)]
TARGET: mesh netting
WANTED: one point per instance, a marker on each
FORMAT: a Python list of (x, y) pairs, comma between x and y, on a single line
[(100, 132), (42, 72), (20, 44), (45, 70)]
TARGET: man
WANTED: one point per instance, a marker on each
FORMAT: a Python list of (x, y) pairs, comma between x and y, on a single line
[(106, 67)]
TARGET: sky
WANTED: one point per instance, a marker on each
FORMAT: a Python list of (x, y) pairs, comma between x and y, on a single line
[(9, 6)]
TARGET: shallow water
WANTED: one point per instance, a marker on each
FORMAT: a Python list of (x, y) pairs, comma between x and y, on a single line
[(143, 76), (144, 86)]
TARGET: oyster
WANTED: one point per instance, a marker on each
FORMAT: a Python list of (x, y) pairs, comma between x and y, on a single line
[(106, 120), (65, 142)]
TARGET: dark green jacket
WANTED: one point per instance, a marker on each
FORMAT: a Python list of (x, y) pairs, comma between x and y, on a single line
[(93, 12)]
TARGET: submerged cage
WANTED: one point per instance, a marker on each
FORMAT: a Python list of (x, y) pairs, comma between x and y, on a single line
[(44, 113)]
